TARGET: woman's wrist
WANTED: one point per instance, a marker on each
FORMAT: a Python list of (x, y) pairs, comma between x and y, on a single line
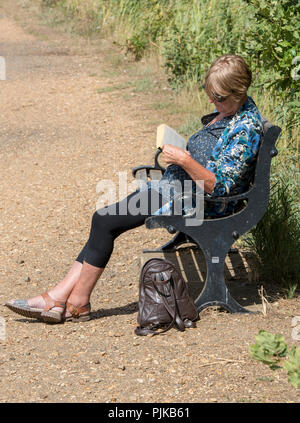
[(185, 159)]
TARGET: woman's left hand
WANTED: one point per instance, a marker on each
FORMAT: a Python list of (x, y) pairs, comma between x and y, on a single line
[(174, 155)]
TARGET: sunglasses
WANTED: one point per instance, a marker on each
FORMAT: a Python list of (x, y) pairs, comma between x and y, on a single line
[(217, 97)]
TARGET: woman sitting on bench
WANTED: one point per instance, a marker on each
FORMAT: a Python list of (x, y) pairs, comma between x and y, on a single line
[(222, 154)]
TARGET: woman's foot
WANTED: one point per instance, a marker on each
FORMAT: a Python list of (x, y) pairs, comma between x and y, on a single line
[(77, 309), (53, 310), (77, 313), (43, 307)]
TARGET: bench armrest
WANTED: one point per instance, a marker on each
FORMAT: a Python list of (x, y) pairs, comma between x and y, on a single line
[(156, 165)]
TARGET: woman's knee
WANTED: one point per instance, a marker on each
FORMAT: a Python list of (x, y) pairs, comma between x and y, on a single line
[(104, 222), (99, 220)]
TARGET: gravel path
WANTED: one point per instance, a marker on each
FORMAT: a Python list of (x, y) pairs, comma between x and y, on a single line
[(73, 114)]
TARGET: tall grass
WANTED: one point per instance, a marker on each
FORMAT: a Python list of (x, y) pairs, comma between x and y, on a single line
[(188, 35), (276, 238)]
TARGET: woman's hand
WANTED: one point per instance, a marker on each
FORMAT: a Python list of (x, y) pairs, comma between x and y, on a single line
[(174, 155)]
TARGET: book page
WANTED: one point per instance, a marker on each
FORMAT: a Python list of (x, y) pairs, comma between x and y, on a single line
[(167, 135)]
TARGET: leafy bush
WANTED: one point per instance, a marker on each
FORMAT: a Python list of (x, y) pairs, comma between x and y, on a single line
[(137, 46), (275, 42), (198, 34), (276, 238), (272, 43), (292, 366), (272, 349), (269, 349)]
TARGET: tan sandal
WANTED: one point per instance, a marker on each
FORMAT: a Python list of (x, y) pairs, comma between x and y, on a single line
[(78, 314), (49, 315)]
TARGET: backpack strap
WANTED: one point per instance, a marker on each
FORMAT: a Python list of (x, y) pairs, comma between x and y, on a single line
[(174, 313), (141, 331)]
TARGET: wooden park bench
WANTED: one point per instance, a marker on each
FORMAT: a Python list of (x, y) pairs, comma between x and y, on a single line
[(215, 237)]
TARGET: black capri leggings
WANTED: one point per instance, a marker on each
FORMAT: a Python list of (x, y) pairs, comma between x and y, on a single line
[(113, 220)]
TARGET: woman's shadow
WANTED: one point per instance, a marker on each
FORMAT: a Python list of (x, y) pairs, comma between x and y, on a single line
[(115, 311)]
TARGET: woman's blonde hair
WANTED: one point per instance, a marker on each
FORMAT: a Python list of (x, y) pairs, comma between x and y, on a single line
[(228, 75)]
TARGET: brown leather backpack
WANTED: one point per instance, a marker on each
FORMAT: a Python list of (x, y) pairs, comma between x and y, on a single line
[(164, 300)]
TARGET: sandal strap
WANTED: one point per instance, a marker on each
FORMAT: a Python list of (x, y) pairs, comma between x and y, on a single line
[(50, 302), (76, 311)]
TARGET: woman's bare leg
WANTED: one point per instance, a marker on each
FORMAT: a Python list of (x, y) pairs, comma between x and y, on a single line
[(81, 292), (76, 287), (62, 290)]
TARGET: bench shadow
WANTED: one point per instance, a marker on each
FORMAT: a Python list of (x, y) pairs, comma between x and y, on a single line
[(240, 273)]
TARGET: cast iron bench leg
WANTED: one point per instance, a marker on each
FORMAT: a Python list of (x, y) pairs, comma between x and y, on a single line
[(215, 291)]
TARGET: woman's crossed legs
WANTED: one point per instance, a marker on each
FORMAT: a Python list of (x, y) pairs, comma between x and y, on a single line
[(107, 224)]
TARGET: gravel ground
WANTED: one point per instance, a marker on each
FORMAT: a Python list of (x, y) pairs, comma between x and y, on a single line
[(71, 115)]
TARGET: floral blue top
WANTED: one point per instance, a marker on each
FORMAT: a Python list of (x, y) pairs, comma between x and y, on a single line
[(227, 148)]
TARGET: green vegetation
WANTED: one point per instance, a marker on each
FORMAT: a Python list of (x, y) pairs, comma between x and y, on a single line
[(192, 125), (272, 350), (276, 238), (187, 35), (112, 88)]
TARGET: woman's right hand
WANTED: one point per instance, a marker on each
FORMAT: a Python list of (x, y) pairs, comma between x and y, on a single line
[(174, 155)]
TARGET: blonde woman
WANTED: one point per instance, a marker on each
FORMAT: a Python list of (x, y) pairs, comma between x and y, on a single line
[(222, 154)]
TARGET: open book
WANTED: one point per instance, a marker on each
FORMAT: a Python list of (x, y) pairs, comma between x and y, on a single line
[(167, 135)]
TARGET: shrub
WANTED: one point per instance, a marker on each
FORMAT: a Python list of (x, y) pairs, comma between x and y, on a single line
[(198, 34), (276, 238), (272, 350), (272, 43)]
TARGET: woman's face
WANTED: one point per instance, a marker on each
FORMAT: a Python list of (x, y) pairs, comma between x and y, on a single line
[(227, 107)]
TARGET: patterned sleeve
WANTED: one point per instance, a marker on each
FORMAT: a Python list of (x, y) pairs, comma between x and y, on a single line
[(231, 168)]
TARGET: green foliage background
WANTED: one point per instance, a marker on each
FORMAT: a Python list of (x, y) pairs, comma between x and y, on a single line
[(188, 35)]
